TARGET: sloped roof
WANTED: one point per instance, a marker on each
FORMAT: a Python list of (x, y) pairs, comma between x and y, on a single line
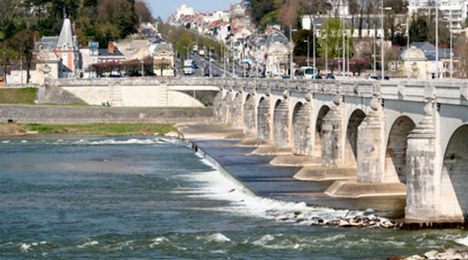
[(105, 52), (429, 50), (66, 35), (47, 43)]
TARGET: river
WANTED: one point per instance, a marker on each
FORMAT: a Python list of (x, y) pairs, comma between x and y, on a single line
[(140, 197)]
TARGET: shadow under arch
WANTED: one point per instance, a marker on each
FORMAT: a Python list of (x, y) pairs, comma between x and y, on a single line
[(280, 124), (249, 115), (317, 150), (395, 155), (455, 171), (263, 119), (354, 121)]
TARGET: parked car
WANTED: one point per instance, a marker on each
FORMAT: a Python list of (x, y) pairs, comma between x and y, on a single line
[(329, 76), (244, 75), (369, 77), (385, 78), (317, 77)]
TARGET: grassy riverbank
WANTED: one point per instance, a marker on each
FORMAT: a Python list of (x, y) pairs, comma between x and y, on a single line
[(24, 96), (88, 129)]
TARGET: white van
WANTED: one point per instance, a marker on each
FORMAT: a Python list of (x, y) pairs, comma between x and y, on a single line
[(309, 72)]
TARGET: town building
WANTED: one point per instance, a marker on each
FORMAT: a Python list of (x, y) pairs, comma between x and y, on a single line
[(419, 60), (66, 47)]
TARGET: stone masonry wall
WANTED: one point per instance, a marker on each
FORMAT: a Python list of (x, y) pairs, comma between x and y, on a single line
[(81, 115)]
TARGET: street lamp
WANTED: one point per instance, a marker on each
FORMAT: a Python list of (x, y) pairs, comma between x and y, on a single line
[(451, 42), (142, 68), (188, 48), (383, 39), (313, 39), (291, 73), (210, 61), (437, 40), (407, 49), (308, 45)]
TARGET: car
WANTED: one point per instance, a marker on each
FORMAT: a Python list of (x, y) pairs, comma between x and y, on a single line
[(317, 77), (369, 77), (244, 75), (385, 78), (329, 76)]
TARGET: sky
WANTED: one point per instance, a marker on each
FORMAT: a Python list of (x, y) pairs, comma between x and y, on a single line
[(165, 8)]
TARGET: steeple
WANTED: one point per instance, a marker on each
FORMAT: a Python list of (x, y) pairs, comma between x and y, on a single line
[(66, 37)]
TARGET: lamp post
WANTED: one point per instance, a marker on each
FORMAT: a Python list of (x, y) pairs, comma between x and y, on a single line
[(188, 46), (291, 73), (21, 62), (451, 42), (407, 49), (314, 52), (142, 68), (437, 40), (210, 62), (308, 45), (383, 40)]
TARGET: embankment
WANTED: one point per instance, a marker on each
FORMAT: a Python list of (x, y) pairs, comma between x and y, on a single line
[(34, 114)]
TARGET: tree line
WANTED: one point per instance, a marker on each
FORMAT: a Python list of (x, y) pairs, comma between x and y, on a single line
[(22, 22)]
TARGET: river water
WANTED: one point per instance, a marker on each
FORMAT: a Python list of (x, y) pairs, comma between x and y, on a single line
[(140, 197)]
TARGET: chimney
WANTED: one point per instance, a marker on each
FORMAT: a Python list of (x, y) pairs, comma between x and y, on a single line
[(74, 28), (111, 47)]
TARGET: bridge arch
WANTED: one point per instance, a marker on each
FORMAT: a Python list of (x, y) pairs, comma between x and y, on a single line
[(395, 155), (249, 118), (317, 150), (354, 121), (454, 175), (263, 119), (237, 110), (301, 129), (281, 124)]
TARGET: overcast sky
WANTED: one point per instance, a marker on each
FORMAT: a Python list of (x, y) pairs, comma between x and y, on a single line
[(165, 8)]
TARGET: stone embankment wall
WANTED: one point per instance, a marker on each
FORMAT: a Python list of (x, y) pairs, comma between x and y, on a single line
[(136, 92), (85, 115)]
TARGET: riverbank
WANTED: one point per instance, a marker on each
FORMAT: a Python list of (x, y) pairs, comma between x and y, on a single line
[(89, 129)]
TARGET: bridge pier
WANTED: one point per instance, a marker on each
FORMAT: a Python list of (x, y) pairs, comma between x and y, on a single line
[(303, 128), (237, 110), (371, 146), (281, 123), (423, 195), (264, 118), (333, 136), (250, 116), (226, 107), (217, 106)]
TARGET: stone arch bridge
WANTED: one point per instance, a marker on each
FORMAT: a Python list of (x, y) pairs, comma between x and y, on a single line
[(415, 133)]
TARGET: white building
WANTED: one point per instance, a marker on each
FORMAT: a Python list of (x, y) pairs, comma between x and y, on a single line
[(452, 10), (184, 11)]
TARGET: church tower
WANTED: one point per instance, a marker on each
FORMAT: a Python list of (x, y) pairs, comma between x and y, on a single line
[(67, 47)]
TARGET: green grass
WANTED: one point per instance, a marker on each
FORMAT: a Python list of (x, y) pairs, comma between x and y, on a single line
[(102, 129), (18, 96)]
